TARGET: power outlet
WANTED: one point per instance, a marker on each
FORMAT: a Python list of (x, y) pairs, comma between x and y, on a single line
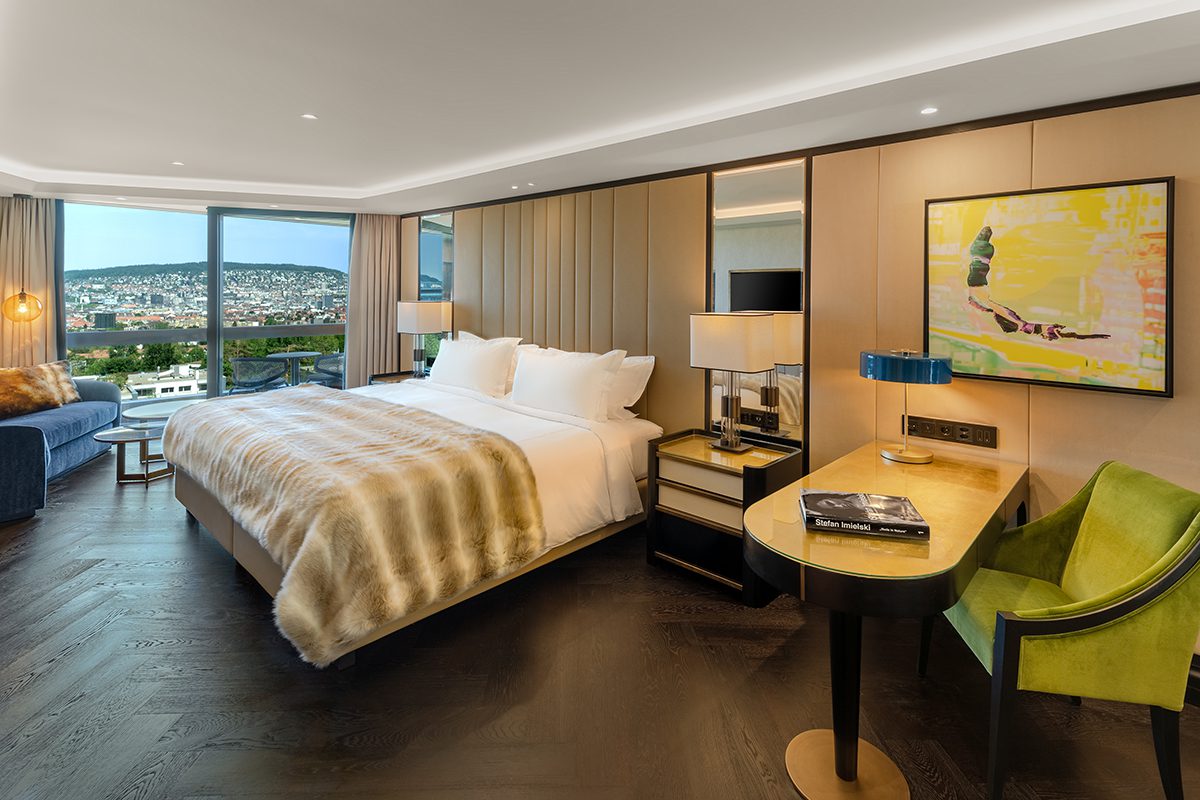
[(947, 430), (760, 418)]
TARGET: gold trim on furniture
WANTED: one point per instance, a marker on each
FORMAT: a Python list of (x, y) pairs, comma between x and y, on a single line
[(732, 584)]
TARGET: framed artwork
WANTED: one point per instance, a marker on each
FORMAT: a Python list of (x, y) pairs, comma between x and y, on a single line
[(1068, 286)]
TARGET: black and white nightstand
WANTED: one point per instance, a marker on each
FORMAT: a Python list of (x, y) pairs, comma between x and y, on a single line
[(697, 496)]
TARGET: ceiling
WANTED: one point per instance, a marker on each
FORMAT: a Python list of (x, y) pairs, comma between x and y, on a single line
[(423, 106)]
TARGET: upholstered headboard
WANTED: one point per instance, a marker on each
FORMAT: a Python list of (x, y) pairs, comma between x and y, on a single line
[(620, 267)]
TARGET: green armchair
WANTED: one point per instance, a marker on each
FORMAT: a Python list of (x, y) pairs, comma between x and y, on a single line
[(1101, 599)]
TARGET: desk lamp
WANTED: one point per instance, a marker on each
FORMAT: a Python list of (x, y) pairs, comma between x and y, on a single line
[(904, 366)]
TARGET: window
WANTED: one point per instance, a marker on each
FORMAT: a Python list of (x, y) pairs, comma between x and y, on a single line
[(435, 272)]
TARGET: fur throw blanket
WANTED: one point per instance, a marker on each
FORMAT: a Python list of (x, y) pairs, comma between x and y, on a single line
[(373, 510)]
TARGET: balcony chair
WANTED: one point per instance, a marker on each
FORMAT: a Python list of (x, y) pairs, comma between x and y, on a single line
[(329, 370), (257, 375), (1097, 599)]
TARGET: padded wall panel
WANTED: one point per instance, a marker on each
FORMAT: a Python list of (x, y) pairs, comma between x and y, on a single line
[(583, 271), (630, 207), (527, 270), (539, 271), (677, 221), (601, 298), (493, 271), (566, 272), (512, 269), (468, 269), (553, 251), (410, 257)]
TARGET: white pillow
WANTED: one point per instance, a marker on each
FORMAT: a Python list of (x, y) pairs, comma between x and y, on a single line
[(629, 385), (477, 364), (569, 383), (467, 336)]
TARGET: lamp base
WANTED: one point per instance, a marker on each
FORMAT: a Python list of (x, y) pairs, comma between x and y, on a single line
[(909, 455), (741, 447)]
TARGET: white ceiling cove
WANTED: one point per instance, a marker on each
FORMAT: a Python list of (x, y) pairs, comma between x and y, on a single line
[(424, 105)]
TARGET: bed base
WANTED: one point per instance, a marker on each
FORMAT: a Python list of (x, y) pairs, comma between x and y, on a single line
[(253, 558)]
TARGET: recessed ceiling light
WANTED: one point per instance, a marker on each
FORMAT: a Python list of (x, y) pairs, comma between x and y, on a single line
[(308, 116), (176, 163), (515, 186), (274, 206), (529, 184), (120, 198), (927, 110)]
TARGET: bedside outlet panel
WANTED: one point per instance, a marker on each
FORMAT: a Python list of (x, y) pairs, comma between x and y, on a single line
[(947, 430), (758, 418)]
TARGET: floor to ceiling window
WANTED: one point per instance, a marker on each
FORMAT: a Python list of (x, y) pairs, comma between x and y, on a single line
[(147, 310)]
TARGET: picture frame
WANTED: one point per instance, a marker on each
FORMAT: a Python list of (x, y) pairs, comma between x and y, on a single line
[(1064, 286)]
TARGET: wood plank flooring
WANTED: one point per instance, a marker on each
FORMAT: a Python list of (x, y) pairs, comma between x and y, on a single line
[(138, 662)]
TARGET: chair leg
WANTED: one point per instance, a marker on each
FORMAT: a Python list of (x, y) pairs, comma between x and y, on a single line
[(926, 639), (1005, 662), (1165, 725)]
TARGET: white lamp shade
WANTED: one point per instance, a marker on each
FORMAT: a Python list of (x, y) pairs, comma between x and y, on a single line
[(424, 317), (789, 337), (739, 342)]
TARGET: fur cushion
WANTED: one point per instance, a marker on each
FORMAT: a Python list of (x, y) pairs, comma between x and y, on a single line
[(24, 390)]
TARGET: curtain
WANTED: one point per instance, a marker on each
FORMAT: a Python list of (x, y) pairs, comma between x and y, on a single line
[(27, 256), (372, 345)]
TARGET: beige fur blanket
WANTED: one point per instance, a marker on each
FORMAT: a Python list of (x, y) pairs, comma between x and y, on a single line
[(373, 510)]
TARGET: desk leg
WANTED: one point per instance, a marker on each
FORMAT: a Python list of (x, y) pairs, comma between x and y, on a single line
[(860, 770)]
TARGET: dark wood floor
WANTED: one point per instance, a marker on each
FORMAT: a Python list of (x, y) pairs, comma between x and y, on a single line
[(139, 662)]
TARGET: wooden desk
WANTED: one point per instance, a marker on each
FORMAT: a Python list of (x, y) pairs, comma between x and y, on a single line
[(967, 503)]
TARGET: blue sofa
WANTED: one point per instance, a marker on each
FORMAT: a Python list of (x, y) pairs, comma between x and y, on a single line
[(39, 447)]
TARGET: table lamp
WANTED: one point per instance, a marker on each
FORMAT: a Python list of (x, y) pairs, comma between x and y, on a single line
[(789, 352), (420, 318), (732, 343), (904, 366)]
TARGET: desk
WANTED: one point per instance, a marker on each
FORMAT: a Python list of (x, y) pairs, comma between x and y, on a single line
[(294, 358), (967, 503)]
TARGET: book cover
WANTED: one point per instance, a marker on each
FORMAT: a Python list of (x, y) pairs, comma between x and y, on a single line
[(859, 512)]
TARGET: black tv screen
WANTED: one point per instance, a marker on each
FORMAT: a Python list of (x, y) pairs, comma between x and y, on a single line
[(766, 290)]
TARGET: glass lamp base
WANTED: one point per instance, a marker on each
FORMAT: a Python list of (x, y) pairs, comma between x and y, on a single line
[(907, 455)]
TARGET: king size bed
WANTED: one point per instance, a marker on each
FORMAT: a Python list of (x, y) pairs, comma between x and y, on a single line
[(364, 511)]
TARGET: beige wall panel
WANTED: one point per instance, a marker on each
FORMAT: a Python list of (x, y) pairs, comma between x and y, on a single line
[(677, 272), (583, 271), (493, 271), (539, 271), (566, 273), (601, 337), (1072, 431), (512, 269), (977, 162), (629, 267), (527, 271), (553, 277), (410, 258), (468, 269), (845, 199)]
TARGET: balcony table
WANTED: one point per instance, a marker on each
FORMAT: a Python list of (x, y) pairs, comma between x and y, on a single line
[(294, 358)]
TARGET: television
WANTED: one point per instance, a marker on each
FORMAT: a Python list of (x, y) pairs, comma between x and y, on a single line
[(766, 290), (1067, 286)]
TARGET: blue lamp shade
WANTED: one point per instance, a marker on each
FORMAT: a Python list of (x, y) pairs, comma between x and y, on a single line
[(903, 366)]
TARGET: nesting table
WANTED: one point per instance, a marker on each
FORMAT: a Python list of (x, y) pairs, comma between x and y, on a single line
[(967, 502), (146, 426)]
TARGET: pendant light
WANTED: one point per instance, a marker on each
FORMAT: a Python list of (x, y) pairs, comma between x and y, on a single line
[(22, 306)]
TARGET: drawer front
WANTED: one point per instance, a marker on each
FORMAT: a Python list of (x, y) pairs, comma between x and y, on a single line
[(725, 484), (701, 507)]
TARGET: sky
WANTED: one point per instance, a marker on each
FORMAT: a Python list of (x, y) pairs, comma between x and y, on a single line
[(113, 236)]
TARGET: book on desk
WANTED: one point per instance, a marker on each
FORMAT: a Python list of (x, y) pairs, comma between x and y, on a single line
[(862, 513)]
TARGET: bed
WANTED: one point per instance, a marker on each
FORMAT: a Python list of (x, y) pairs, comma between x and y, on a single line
[(589, 478)]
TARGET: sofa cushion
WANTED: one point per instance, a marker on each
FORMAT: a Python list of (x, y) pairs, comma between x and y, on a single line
[(1132, 520), (61, 425), (24, 390), (991, 590)]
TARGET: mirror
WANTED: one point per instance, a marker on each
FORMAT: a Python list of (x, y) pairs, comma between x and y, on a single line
[(758, 265)]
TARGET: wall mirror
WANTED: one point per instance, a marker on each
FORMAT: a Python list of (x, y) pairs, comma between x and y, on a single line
[(757, 264)]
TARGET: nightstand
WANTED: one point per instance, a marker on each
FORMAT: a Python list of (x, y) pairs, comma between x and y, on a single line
[(389, 377), (697, 496)]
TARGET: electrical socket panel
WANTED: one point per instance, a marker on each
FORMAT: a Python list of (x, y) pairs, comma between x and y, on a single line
[(946, 430)]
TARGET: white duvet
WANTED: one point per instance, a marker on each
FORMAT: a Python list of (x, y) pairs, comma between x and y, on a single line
[(586, 472)]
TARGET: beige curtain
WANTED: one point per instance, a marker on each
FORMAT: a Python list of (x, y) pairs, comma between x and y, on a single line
[(27, 255), (371, 342)]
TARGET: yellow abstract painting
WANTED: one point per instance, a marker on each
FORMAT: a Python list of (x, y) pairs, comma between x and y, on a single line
[(1064, 286)]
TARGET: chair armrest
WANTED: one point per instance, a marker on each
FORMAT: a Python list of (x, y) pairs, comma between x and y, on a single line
[(1039, 549), (99, 390), (24, 461), (1134, 644)]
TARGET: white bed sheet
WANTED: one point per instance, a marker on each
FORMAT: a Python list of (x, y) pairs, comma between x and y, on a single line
[(586, 471)]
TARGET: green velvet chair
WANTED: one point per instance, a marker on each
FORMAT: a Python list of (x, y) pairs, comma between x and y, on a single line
[(1101, 599)]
